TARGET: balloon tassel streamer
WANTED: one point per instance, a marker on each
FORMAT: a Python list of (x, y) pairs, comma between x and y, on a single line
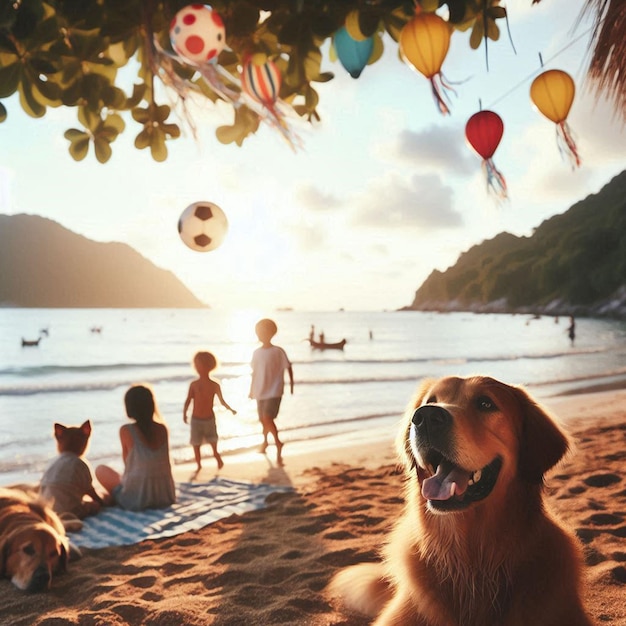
[(566, 143), (495, 180), (441, 89)]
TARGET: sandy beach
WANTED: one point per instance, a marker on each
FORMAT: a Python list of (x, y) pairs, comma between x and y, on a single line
[(271, 566)]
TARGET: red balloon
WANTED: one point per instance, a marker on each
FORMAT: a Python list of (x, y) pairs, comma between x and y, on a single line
[(483, 132)]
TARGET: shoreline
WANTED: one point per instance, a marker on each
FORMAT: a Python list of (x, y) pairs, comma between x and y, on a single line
[(363, 444), (271, 566), (575, 409)]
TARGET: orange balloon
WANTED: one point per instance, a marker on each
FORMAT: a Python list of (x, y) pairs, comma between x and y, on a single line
[(552, 92), (424, 43)]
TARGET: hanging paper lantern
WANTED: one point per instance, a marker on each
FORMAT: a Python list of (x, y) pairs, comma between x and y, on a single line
[(261, 81), (552, 93), (424, 43), (353, 54), (197, 33), (483, 132)]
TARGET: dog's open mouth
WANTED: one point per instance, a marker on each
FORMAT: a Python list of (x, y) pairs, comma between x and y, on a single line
[(449, 487)]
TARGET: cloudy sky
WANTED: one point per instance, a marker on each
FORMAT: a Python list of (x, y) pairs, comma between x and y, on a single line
[(384, 190)]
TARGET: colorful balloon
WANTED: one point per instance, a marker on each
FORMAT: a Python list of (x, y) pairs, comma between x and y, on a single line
[(424, 43), (197, 34), (261, 81), (354, 54), (483, 132), (552, 93)]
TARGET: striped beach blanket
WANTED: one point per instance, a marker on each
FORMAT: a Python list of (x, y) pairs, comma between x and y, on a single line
[(197, 505)]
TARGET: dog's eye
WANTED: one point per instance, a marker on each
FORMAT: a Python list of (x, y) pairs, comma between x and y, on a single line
[(485, 403), (431, 400), (29, 549)]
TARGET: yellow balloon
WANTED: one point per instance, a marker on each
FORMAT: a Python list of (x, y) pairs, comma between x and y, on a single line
[(552, 93), (424, 43)]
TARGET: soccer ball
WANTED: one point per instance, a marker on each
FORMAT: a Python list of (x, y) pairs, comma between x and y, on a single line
[(197, 33), (202, 226)]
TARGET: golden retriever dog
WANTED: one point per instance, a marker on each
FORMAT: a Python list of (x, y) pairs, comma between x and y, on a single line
[(33, 544), (475, 545)]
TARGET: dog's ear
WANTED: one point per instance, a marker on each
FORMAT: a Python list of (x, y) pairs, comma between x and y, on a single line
[(86, 428), (59, 429), (542, 442), (65, 553)]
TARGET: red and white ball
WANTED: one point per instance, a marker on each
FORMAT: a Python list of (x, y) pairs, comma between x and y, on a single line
[(202, 226), (197, 33)]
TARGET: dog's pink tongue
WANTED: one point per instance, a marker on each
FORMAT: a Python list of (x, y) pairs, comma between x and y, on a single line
[(449, 480)]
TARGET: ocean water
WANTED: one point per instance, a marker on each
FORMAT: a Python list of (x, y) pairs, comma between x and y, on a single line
[(76, 374)]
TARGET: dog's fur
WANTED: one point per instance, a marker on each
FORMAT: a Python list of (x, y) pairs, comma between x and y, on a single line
[(33, 543), (492, 556), (67, 484)]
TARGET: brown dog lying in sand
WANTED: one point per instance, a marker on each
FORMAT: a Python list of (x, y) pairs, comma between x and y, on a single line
[(475, 545), (33, 544)]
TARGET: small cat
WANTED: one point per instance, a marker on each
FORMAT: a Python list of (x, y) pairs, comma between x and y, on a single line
[(68, 482)]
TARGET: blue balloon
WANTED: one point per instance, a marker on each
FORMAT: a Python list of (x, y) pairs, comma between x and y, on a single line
[(353, 54)]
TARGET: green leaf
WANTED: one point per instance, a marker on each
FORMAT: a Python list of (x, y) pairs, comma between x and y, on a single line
[(140, 115), (142, 140), (113, 97), (136, 98), (324, 77), (158, 149), (115, 121), (88, 118), (102, 149), (9, 79), (368, 22), (171, 129), (229, 134), (377, 52), (47, 92), (476, 37), (312, 64), (496, 12), (73, 134), (29, 102), (493, 31), (79, 148)]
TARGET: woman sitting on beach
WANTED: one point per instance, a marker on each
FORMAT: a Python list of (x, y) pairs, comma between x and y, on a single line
[(147, 481)]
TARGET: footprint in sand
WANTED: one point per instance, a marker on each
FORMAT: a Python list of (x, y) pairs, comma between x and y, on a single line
[(338, 535), (586, 535), (602, 480), (292, 554), (342, 558), (143, 582), (604, 519), (132, 613), (577, 490), (245, 555), (619, 574)]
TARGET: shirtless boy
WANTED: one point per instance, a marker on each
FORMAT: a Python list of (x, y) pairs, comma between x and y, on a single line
[(202, 393)]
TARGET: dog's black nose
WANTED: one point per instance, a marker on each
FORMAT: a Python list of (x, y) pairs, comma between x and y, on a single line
[(40, 580), (432, 419)]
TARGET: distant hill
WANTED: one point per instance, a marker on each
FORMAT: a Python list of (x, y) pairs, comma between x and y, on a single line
[(44, 265), (574, 263)]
